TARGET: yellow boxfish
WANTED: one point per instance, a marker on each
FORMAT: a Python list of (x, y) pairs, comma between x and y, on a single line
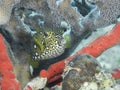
[(47, 44)]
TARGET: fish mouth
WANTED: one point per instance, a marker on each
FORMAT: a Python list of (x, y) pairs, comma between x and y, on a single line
[(84, 7)]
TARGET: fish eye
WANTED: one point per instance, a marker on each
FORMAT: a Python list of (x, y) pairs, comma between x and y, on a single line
[(65, 29)]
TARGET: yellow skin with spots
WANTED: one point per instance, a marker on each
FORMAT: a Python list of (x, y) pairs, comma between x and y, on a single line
[(47, 44)]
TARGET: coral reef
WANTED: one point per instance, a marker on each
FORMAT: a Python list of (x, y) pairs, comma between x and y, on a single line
[(53, 14), (6, 7), (51, 18), (109, 11), (76, 18), (94, 48)]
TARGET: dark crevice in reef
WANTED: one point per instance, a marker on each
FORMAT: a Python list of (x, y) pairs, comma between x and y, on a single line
[(44, 64), (83, 7)]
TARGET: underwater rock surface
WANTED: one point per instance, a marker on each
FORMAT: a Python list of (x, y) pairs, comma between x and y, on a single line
[(6, 7), (84, 73)]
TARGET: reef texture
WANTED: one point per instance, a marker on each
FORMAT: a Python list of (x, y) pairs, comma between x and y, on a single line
[(109, 11), (6, 7), (84, 73), (94, 48), (53, 12)]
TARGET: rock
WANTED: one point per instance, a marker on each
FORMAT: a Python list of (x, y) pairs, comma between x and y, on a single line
[(109, 12), (84, 73)]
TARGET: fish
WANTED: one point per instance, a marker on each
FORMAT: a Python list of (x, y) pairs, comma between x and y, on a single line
[(47, 44)]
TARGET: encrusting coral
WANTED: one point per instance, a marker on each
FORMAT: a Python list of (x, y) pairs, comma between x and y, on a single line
[(109, 11), (6, 7), (55, 71), (85, 73)]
